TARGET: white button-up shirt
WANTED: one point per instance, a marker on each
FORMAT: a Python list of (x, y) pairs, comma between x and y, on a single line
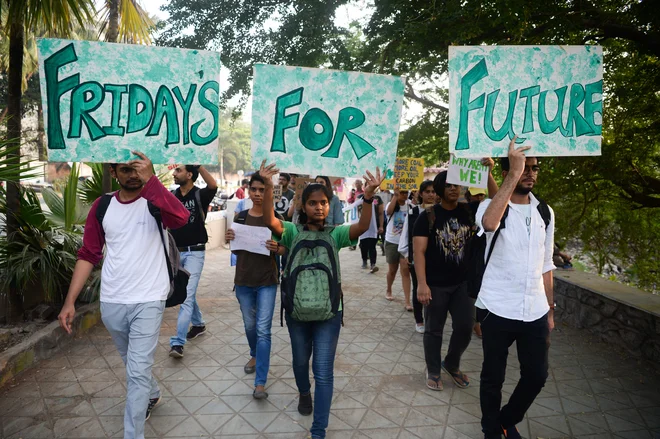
[(512, 285)]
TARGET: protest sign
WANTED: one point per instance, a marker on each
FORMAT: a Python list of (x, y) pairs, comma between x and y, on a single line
[(408, 175), (353, 211), (250, 238), (277, 192), (102, 100), (467, 172), (301, 184), (337, 123), (550, 96)]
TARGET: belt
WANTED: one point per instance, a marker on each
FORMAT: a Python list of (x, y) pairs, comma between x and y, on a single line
[(193, 248)]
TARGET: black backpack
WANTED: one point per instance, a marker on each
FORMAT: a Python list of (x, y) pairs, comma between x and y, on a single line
[(178, 275), (477, 249)]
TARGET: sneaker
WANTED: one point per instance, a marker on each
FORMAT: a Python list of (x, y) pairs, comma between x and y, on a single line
[(195, 331), (364, 265), (176, 352), (419, 329), (305, 407), (511, 433), (373, 269), (152, 403)]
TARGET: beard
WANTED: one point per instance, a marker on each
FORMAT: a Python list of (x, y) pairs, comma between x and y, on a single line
[(522, 190), (131, 186)]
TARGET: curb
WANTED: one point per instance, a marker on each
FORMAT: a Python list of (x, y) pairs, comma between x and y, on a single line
[(46, 342)]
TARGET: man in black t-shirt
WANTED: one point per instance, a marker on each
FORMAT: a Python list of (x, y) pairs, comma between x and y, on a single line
[(441, 266), (191, 240)]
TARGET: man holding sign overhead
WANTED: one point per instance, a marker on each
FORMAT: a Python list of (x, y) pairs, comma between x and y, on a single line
[(256, 282)]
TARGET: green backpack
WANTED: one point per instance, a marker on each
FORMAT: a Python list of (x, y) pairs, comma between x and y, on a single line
[(311, 284)]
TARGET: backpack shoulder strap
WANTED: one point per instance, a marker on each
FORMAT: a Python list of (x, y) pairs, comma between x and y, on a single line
[(496, 235), (102, 207), (544, 210), (198, 199), (430, 214), (242, 216)]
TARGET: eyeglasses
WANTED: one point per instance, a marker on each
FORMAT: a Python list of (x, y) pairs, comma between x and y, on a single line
[(533, 169)]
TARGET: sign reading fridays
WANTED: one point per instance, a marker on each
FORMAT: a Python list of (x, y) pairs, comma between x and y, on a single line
[(550, 96), (102, 100), (408, 175), (467, 172), (334, 122)]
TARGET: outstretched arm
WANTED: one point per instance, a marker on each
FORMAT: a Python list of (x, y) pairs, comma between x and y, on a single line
[(268, 206), (372, 183)]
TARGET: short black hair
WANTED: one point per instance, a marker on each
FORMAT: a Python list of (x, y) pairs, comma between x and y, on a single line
[(256, 177), (286, 176), (245, 181), (439, 183), (114, 166), (194, 170), (505, 164)]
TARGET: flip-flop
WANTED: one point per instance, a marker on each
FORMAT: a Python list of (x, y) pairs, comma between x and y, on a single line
[(409, 308), (436, 380), (390, 297), (460, 379)]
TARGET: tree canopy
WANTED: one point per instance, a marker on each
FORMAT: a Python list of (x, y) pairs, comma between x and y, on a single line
[(611, 202)]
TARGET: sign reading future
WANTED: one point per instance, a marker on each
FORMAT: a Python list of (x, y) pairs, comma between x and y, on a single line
[(331, 122), (102, 100), (550, 96)]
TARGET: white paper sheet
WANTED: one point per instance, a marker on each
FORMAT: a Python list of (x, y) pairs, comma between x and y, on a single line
[(250, 238)]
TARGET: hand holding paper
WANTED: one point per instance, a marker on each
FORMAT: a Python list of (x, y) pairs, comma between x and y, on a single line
[(250, 238)]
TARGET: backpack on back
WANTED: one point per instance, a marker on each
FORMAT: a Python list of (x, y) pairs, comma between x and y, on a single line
[(476, 251), (178, 275), (311, 284)]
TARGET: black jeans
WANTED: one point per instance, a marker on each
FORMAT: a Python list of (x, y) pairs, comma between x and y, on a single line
[(532, 343), (418, 308), (456, 301), (368, 249)]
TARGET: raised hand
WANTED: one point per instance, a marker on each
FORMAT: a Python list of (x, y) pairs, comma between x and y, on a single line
[(372, 183), (267, 172), (143, 166), (488, 161), (517, 158)]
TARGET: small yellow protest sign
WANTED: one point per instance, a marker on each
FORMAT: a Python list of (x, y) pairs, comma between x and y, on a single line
[(407, 175)]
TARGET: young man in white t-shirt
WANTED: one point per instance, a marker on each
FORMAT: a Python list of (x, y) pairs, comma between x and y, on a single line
[(134, 279), (396, 211)]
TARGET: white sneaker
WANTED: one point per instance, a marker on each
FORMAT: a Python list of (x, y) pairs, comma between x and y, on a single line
[(419, 329)]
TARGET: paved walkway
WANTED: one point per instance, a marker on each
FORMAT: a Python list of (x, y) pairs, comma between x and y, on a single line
[(380, 390)]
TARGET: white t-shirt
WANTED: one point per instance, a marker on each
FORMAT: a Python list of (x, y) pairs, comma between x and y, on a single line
[(526, 210), (134, 269), (395, 223)]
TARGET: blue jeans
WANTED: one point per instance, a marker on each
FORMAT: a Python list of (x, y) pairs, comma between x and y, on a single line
[(189, 310), (321, 339), (134, 329), (257, 306)]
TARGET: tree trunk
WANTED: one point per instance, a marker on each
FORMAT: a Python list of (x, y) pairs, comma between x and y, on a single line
[(41, 133), (111, 36), (15, 79)]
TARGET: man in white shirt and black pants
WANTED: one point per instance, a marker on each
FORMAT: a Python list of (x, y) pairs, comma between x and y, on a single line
[(515, 302)]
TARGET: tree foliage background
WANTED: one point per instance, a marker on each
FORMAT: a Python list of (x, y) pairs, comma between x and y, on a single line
[(611, 203)]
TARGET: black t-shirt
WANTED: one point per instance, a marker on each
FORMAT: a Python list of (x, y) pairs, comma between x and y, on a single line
[(282, 206), (446, 255), (194, 232)]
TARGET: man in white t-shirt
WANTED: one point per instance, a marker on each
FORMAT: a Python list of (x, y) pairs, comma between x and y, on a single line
[(396, 211), (134, 280), (515, 303)]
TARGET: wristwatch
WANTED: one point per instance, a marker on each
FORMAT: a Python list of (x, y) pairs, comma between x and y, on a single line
[(553, 306)]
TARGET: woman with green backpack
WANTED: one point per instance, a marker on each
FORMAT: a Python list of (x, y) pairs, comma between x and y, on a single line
[(311, 287)]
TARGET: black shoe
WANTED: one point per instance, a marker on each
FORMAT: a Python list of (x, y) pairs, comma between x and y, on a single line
[(152, 403), (364, 265), (195, 331), (176, 352), (511, 433), (305, 407)]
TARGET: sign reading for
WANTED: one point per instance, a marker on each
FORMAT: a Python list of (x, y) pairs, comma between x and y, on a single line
[(408, 175), (550, 96), (467, 172), (337, 123), (102, 100)]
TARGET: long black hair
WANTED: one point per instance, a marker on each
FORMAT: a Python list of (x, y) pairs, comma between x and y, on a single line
[(422, 188), (327, 184), (309, 190)]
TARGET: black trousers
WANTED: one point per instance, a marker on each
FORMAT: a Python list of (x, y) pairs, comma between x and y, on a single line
[(368, 249), (418, 308), (456, 301), (532, 343)]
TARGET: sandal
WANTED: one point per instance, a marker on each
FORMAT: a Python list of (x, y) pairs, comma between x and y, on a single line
[(459, 377), (438, 382), (409, 308), (389, 297)]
